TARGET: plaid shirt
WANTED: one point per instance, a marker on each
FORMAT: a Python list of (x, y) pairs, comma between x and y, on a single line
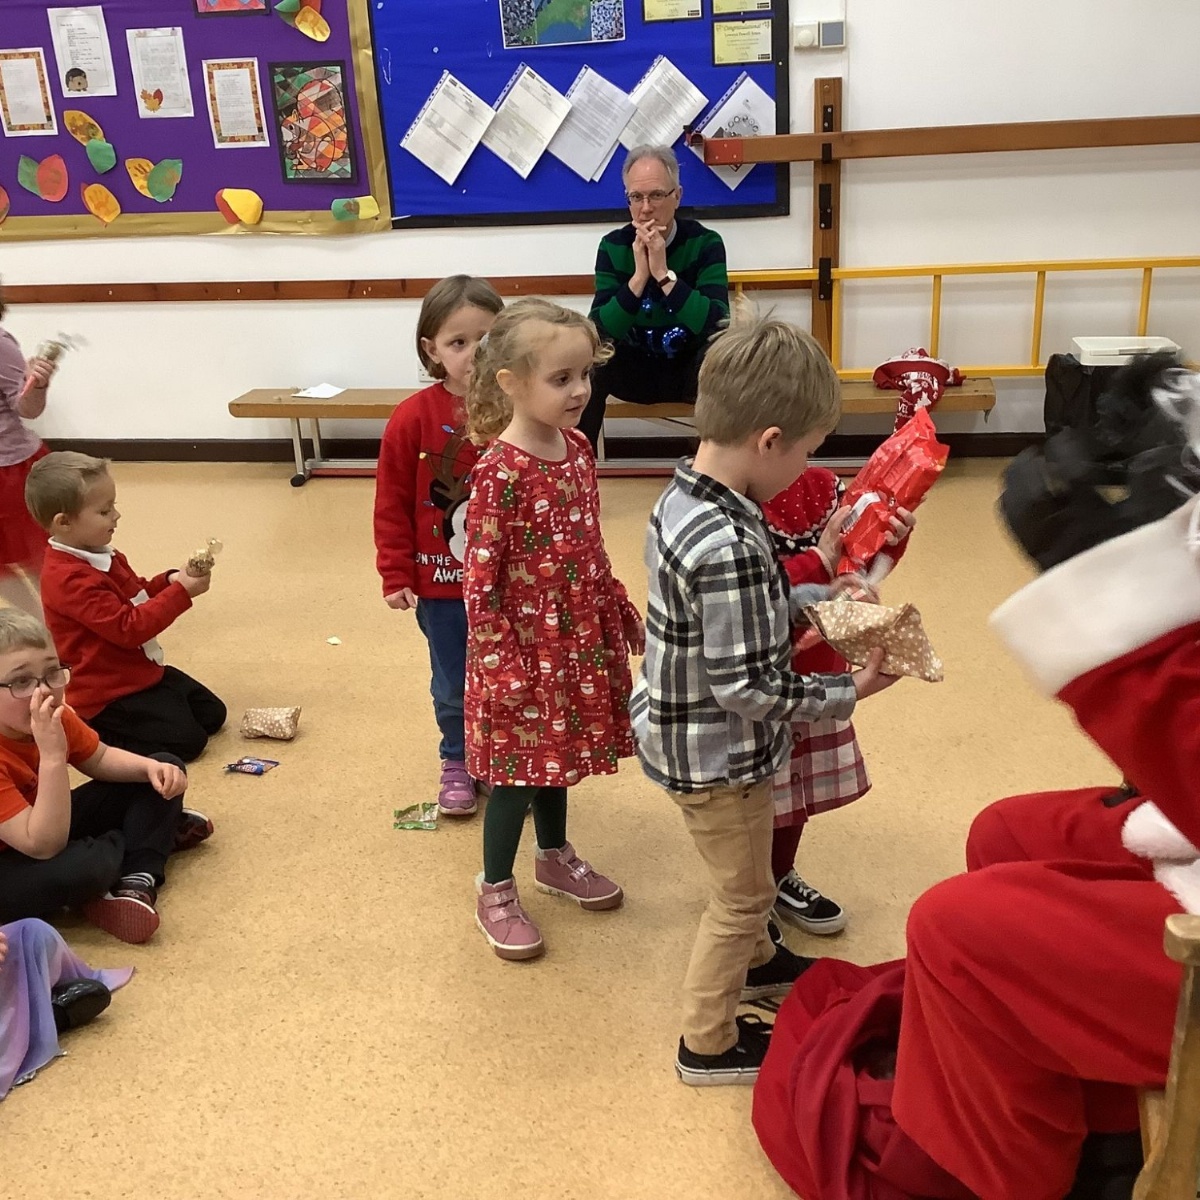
[(716, 694)]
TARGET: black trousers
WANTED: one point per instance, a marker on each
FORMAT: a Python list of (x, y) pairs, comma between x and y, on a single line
[(177, 716), (116, 829), (637, 377)]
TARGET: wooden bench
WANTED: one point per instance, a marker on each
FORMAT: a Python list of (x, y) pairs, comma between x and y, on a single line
[(375, 404), (859, 398), (1171, 1118)]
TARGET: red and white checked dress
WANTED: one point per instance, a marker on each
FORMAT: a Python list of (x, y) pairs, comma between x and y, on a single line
[(826, 768)]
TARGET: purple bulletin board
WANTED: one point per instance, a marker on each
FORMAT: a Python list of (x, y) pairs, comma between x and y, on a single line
[(298, 205)]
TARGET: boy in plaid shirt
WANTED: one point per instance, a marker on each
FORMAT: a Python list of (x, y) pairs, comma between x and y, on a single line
[(716, 696)]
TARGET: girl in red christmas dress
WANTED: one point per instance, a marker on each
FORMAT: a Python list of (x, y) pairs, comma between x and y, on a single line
[(421, 490), (826, 768), (550, 629)]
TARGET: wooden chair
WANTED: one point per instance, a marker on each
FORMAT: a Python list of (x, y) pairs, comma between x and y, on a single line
[(1171, 1118)]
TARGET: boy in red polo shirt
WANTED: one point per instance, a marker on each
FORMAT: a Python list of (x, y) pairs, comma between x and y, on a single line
[(105, 618), (102, 847)]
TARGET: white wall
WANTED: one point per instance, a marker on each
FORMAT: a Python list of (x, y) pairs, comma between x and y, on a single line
[(167, 371)]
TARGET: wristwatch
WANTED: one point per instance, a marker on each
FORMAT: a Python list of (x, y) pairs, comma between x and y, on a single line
[(669, 277)]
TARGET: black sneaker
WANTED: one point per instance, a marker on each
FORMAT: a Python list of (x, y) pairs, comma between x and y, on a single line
[(803, 905), (774, 933), (738, 1065), (78, 1002), (776, 976)]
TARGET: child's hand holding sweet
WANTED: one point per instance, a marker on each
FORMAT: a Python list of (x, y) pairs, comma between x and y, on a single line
[(194, 585), (165, 778), (869, 679), (38, 373), (901, 523), (402, 600), (830, 545), (46, 724)]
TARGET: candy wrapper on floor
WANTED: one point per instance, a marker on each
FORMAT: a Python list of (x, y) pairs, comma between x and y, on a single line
[(416, 816), (252, 766), (897, 475), (854, 629), (278, 723)]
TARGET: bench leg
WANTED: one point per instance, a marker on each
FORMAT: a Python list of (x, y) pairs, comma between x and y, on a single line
[(301, 476), (318, 450)]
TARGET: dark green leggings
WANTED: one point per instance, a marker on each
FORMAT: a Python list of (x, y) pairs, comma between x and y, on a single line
[(504, 818)]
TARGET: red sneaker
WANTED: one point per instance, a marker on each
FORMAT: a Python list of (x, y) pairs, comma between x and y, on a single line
[(564, 873), (127, 912), (506, 925), (193, 828)]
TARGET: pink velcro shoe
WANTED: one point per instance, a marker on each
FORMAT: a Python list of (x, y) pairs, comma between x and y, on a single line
[(505, 924), (564, 873), (456, 794)]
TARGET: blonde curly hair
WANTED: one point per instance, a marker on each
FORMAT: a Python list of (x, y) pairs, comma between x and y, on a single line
[(513, 345)]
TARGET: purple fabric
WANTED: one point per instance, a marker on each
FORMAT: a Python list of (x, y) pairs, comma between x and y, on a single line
[(205, 169), (17, 443), (38, 959)]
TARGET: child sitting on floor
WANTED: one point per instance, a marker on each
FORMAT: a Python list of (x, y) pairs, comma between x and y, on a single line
[(825, 769), (105, 618), (103, 846)]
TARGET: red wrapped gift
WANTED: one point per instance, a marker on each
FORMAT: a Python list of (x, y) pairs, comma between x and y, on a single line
[(897, 475)]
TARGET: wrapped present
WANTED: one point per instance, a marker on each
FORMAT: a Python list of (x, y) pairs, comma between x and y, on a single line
[(854, 629), (278, 723), (897, 475), (920, 380)]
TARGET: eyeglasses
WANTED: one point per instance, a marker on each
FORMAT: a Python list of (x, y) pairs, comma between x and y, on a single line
[(656, 197), (24, 687)]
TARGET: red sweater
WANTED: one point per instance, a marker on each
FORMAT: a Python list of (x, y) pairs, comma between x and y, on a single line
[(421, 491), (98, 630)]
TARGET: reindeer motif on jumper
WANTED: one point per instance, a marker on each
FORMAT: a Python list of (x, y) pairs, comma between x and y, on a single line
[(449, 491)]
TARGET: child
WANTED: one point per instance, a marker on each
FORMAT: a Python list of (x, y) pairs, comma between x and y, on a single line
[(45, 990), (22, 544), (104, 618), (826, 769), (103, 846), (549, 627), (712, 707), (421, 492)]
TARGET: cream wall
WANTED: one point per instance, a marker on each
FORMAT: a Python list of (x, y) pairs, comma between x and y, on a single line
[(167, 371)]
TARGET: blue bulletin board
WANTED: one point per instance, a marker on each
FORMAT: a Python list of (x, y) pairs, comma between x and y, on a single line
[(415, 44)]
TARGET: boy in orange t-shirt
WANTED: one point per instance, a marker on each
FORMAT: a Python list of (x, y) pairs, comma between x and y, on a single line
[(103, 846)]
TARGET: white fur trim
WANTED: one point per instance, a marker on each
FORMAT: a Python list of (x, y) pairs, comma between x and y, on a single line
[(1182, 880), (1104, 603), (1148, 834)]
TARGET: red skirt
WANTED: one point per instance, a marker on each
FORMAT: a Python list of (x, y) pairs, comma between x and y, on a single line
[(22, 539)]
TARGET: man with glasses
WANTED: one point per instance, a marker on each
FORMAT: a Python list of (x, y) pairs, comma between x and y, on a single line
[(661, 293)]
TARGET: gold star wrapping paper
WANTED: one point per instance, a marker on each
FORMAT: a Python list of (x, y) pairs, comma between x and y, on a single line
[(854, 629)]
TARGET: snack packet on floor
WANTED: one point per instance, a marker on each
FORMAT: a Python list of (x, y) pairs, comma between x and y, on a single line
[(416, 816), (252, 766)]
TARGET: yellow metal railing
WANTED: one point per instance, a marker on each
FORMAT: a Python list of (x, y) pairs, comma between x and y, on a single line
[(740, 281)]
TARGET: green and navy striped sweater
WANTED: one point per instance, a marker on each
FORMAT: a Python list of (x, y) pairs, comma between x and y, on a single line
[(662, 325)]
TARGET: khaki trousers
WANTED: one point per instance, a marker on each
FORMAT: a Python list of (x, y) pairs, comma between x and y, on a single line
[(731, 827)]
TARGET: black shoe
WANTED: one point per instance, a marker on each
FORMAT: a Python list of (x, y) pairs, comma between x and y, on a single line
[(801, 904), (1108, 1167), (78, 1002), (774, 933), (776, 976), (738, 1065)]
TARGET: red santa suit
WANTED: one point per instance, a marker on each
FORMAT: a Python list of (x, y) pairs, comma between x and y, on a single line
[(1037, 997)]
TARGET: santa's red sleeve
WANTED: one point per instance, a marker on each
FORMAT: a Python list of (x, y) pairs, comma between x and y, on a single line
[(1115, 634)]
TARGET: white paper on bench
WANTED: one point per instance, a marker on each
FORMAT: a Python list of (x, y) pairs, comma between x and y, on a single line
[(323, 391)]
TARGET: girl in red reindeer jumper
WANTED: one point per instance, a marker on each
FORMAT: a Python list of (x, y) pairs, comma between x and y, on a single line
[(421, 492), (550, 629), (826, 768)]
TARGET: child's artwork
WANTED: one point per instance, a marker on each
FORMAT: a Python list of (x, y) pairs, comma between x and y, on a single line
[(235, 107), (316, 138), (160, 72), (81, 46), (26, 109), (225, 7)]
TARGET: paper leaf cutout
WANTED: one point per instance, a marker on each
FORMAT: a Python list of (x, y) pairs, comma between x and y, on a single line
[(164, 179), (52, 178), (27, 170), (360, 208), (139, 171), (101, 155), (152, 101), (287, 8), (240, 205), (81, 127), (310, 23), (101, 203), (4, 205)]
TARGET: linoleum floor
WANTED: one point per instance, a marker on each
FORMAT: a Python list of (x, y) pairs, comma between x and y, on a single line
[(318, 1016)]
